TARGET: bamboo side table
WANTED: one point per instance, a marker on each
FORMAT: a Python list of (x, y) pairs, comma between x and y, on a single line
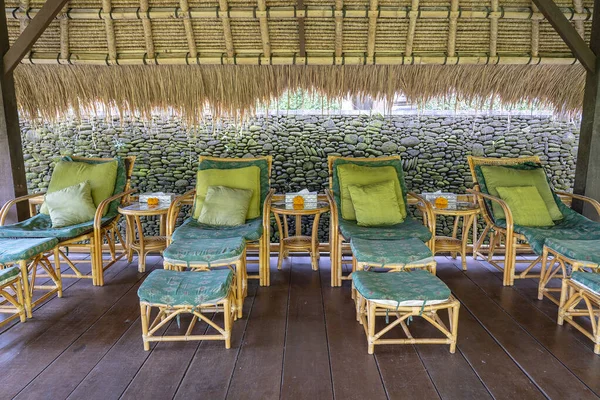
[(467, 211), (298, 242), (143, 244)]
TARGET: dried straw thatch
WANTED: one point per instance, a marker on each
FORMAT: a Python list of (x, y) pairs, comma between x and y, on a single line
[(97, 51)]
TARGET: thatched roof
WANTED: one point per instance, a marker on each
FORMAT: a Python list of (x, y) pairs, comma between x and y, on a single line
[(105, 50)]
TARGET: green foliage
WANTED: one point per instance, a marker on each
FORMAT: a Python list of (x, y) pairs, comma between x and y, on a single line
[(303, 100)]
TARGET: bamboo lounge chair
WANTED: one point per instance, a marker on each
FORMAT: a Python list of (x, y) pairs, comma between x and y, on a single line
[(90, 236), (506, 235), (343, 230), (255, 231)]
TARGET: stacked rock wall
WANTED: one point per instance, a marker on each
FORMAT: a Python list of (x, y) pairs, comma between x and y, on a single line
[(434, 148)]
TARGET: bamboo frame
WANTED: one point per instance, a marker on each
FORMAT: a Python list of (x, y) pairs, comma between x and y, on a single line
[(572, 295), (168, 313), (253, 58), (337, 239), (263, 244), (308, 11), (95, 238), (368, 310), (505, 238), (14, 300)]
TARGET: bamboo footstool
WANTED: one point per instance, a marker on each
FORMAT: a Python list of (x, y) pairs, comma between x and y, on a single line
[(187, 292), (11, 290), (580, 292), (29, 255), (206, 254), (405, 295)]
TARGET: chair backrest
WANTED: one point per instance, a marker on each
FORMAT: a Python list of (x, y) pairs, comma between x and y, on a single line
[(475, 164), (264, 163), (334, 161), (123, 182)]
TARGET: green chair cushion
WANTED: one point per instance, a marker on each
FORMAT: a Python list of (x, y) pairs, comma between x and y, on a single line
[(586, 251), (252, 230), (518, 175), (173, 288), (410, 228), (40, 226), (13, 250), (376, 204), (71, 206), (390, 252), (574, 226), (590, 280), (8, 274), (414, 288), (526, 205), (360, 175), (238, 178), (225, 206), (102, 177), (335, 179), (205, 251)]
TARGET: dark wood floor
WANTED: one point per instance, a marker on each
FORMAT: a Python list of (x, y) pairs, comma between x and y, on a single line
[(298, 340)]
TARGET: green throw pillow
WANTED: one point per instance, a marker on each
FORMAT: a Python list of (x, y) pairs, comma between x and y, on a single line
[(225, 206), (376, 204), (237, 178), (102, 178), (359, 175), (526, 205), (496, 176), (71, 206)]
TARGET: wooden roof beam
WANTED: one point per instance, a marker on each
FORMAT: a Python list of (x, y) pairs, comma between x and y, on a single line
[(301, 31), (339, 27), (264, 28), (372, 33), (568, 33), (31, 34), (224, 6)]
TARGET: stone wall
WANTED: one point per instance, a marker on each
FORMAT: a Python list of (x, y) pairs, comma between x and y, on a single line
[(433, 148)]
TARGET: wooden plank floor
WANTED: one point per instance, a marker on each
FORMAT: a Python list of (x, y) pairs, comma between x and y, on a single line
[(299, 339)]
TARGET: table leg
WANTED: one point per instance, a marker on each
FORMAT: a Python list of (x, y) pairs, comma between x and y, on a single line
[(281, 237), (314, 239), (467, 224), (162, 225), (455, 233), (129, 236), (142, 250), (286, 233), (298, 225)]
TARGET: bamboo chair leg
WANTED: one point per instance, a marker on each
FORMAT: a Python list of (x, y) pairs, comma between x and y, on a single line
[(26, 288), (57, 271), (144, 320), (371, 326), (227, 321), (20, 300), (239, 273), (454, 326), (563, 299), (509, 261), (541, 285)]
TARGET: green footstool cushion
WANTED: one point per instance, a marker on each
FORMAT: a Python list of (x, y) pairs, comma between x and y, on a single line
[(13, 250), (586, 251), (402, 289), (390, 252), (589, 280), (8, 274), (187, 288), (205, 251)]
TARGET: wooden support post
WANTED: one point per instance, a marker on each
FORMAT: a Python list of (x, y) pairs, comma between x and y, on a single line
[(587, 173), (301, 33), (12, 166)]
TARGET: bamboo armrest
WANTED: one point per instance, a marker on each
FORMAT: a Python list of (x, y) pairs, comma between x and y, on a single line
[(184, 199), (7, 206), (502, 203), (583, 198), (100, 210), (425, 207)]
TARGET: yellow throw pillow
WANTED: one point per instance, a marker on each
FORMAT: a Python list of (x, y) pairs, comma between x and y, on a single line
[(526, 205), (71, 206), (359, 175), (224, 206), (236, 178), (376, 204)]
